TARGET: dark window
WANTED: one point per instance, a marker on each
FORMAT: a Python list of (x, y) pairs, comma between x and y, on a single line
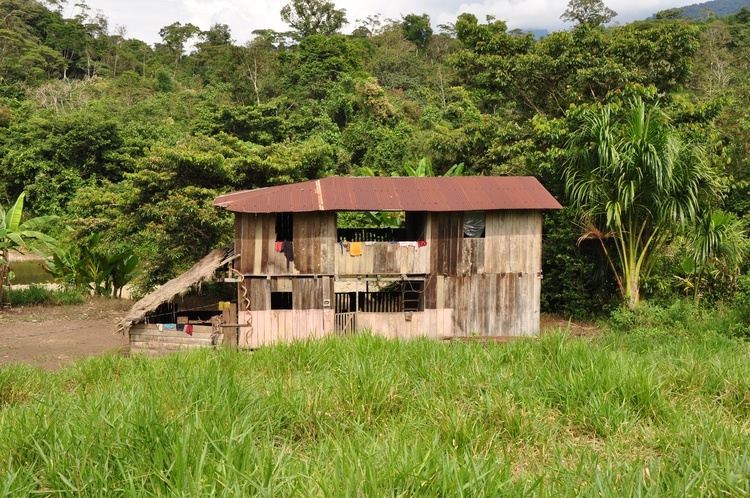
[(474, 224), (415, 225), (284, 227), (406, 295), (281, 300), (413, 295)]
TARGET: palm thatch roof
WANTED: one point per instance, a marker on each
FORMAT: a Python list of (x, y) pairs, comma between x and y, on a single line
[(202, 271)]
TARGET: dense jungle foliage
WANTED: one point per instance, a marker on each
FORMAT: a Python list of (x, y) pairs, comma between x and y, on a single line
[(131, 143)]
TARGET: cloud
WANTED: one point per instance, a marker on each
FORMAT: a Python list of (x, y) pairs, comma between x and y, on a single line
[(144, 18)]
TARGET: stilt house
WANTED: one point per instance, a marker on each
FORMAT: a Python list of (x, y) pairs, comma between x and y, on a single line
[(465, 262)]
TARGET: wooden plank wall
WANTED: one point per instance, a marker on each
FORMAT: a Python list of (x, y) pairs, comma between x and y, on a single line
[(494, 304), (436, 324), (307, 292), (314, 243), (148, 339), (272, 326), (513, 242), (255, 238), (446, 242), (472, 257), (383, 258)]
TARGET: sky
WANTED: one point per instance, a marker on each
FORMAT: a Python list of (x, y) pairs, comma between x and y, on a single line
[(144, 18)]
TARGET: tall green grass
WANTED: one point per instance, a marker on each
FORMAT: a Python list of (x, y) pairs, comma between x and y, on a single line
[(40, 295), (641, 414)]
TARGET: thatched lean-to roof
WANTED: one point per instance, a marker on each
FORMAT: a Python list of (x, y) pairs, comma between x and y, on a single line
[(202, 271)]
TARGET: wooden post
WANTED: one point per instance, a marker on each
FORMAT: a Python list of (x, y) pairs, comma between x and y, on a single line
[(231, 334)]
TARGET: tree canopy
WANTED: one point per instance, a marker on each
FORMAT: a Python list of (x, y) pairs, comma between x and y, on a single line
[(130, 143), (589, 12), (313, 17)]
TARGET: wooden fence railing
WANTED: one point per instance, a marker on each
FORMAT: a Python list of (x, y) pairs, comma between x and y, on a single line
[(345, 323)]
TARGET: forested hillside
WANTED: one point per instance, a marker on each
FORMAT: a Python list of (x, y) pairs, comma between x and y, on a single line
[(133, 142), (716, 8)]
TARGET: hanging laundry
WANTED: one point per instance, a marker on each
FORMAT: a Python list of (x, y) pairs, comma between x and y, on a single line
[(421, 243), (370, 243), (288, 248), (279, 246), (355, 249), (408, 244), (341, 245), (189, 329)]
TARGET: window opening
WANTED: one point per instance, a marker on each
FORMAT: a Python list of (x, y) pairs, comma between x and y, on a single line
[(407, 295), (381, 226), (281, 300), (474, 224), (284, 227), (412, 292)]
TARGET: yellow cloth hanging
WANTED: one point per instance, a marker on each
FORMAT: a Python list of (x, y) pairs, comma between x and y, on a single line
[(355, 249)]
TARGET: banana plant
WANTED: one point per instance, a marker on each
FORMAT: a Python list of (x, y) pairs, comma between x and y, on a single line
[(102, 270), (15, 235)]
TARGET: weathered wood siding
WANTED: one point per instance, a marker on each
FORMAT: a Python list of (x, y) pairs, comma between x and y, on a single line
[(148, 339), (307, 292), (314, 241), (472, 257), (273, 326), (435, 324), (383, 258), (495, 286), (513, 242), (493, 304), (446, 242)]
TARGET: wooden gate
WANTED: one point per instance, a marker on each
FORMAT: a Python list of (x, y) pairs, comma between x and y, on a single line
[(345, 323)]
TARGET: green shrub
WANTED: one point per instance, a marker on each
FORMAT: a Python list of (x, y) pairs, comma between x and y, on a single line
[(39, 295), (741, 308), (683, 317)]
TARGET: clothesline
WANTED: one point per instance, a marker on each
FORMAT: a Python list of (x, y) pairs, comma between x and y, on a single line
[(198, 308), (355, 248)]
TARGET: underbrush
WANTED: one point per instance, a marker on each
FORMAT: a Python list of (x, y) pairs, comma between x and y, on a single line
[(685, 317), (39, 295), (647, 413)]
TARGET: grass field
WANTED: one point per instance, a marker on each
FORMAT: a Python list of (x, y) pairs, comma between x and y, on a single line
[(646, 413)]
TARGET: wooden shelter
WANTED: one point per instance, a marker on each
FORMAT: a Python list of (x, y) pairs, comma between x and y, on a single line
[(168, 332), (466, 261)]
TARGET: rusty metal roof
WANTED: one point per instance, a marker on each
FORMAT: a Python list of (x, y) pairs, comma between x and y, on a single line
[(465, 193)]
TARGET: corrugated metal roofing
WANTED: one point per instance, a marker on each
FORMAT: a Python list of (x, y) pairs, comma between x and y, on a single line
[(465, 193)]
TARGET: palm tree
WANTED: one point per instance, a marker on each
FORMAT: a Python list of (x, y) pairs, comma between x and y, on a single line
[(716, 237), (14, 235), (636, 182)]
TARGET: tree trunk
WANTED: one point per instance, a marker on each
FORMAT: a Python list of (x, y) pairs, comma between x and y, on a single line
[(633, 294), (3, 274)]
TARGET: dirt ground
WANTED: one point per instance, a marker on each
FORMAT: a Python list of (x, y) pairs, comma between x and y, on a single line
[(54, 336)]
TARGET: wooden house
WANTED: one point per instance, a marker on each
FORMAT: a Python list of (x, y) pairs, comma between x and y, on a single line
[(465, 262)]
